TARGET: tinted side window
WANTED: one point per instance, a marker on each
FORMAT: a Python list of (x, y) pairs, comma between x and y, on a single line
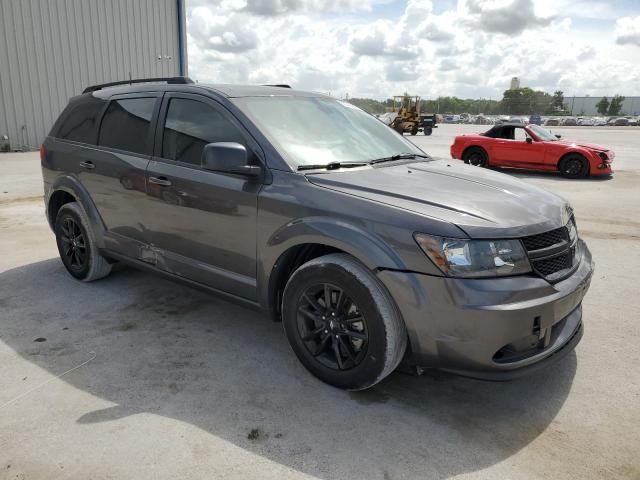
[(80, 122), (190, 125), (126, 124)]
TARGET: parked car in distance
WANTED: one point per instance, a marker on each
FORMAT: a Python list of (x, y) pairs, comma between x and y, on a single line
[(552, 122), (428, 121), (633, 121), (532, 147), (368, 252), (483, 120), (569, 122), (535, 119), (599, 122), (586, 122), (621, 122)]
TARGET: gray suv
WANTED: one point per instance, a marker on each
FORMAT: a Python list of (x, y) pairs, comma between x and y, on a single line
[(369, 251)]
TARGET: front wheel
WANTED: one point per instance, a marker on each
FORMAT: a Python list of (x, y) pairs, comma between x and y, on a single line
[(574, 166), (342, 323)]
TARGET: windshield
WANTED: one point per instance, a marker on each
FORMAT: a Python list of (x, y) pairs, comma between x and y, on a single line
[(543, 133), (318, 131)]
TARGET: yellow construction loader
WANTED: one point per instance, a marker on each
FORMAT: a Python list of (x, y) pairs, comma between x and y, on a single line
[(407, 108)]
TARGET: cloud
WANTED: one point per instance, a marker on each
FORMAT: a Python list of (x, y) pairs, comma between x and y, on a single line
[(283, 7), (401, 72), (468, 48), (448, 64), (222, 33), (379, 41), (432, 32), (627, 31), (507, 17)]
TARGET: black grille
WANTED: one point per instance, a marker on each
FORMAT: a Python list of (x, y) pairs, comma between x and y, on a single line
[(547, 239), (549, 266)]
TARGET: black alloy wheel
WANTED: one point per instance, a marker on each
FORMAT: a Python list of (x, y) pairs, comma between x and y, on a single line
[(73, 245), (342, 323), (76, 244), (574, 166), (332, 327), (475, 159)]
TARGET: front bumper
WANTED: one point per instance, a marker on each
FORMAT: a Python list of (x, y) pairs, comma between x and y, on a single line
[(491, 328)]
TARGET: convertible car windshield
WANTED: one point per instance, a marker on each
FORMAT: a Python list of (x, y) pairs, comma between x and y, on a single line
[(543, 133), (318, 131)]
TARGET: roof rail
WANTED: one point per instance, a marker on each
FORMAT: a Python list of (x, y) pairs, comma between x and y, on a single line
[(170, 80), (281, 85)]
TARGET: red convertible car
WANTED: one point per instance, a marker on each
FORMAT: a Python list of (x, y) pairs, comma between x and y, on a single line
[(534, 148)]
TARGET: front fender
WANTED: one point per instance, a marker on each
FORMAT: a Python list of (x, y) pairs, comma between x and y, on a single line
[(72, 186), (368, 248)]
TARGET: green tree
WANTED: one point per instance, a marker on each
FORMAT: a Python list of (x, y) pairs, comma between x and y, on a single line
[(616, 105), (524, 101), (558, 100), (369, 105), (603, 106)]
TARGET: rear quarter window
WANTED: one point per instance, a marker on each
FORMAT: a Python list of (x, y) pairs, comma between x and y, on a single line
[(80, 120)]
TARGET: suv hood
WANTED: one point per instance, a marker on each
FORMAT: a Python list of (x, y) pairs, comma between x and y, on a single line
[(483, 203)]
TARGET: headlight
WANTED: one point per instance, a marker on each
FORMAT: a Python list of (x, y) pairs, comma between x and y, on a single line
[(573, 230), (475, 258)]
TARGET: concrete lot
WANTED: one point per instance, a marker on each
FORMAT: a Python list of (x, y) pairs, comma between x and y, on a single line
[(138, 377)]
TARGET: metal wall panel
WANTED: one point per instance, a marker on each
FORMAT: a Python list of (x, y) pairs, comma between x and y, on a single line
[(50, 50)]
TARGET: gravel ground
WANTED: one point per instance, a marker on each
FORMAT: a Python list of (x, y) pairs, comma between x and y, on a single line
[(138, 377)]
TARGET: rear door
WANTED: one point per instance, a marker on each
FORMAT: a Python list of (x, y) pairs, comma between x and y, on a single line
[(107, 143), (114, 171), (202, 224)]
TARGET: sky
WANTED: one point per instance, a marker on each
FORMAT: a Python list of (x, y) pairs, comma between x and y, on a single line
[(381, 48)]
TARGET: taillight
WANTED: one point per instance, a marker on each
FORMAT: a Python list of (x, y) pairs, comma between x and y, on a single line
[(43, 153)]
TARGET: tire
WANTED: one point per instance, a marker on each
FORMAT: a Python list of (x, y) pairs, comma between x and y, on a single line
[(414, 131), (574, 166), (77, 246), (362, 342), (428, 131), (476, 157)]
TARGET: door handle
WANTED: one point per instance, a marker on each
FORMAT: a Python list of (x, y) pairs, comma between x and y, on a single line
[(88, 164), (163, 181)]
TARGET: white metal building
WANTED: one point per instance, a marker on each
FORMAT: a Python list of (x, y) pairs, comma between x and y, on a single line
[(588, 105), (50, 50)]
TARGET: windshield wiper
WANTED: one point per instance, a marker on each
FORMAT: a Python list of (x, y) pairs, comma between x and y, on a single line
[(399, 156), (332, 165)]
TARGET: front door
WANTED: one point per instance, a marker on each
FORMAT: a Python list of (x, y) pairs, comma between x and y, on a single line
[(522, 151), (202, 224)]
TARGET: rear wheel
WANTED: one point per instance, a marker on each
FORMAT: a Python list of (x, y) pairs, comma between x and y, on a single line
[(574, 166), (414, 130), (76, 244), (342, 323), (476, 157), (428, 131)]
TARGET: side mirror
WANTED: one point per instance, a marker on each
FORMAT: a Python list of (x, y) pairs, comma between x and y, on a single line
[(529, 140), (558, 136), (228, 157)]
